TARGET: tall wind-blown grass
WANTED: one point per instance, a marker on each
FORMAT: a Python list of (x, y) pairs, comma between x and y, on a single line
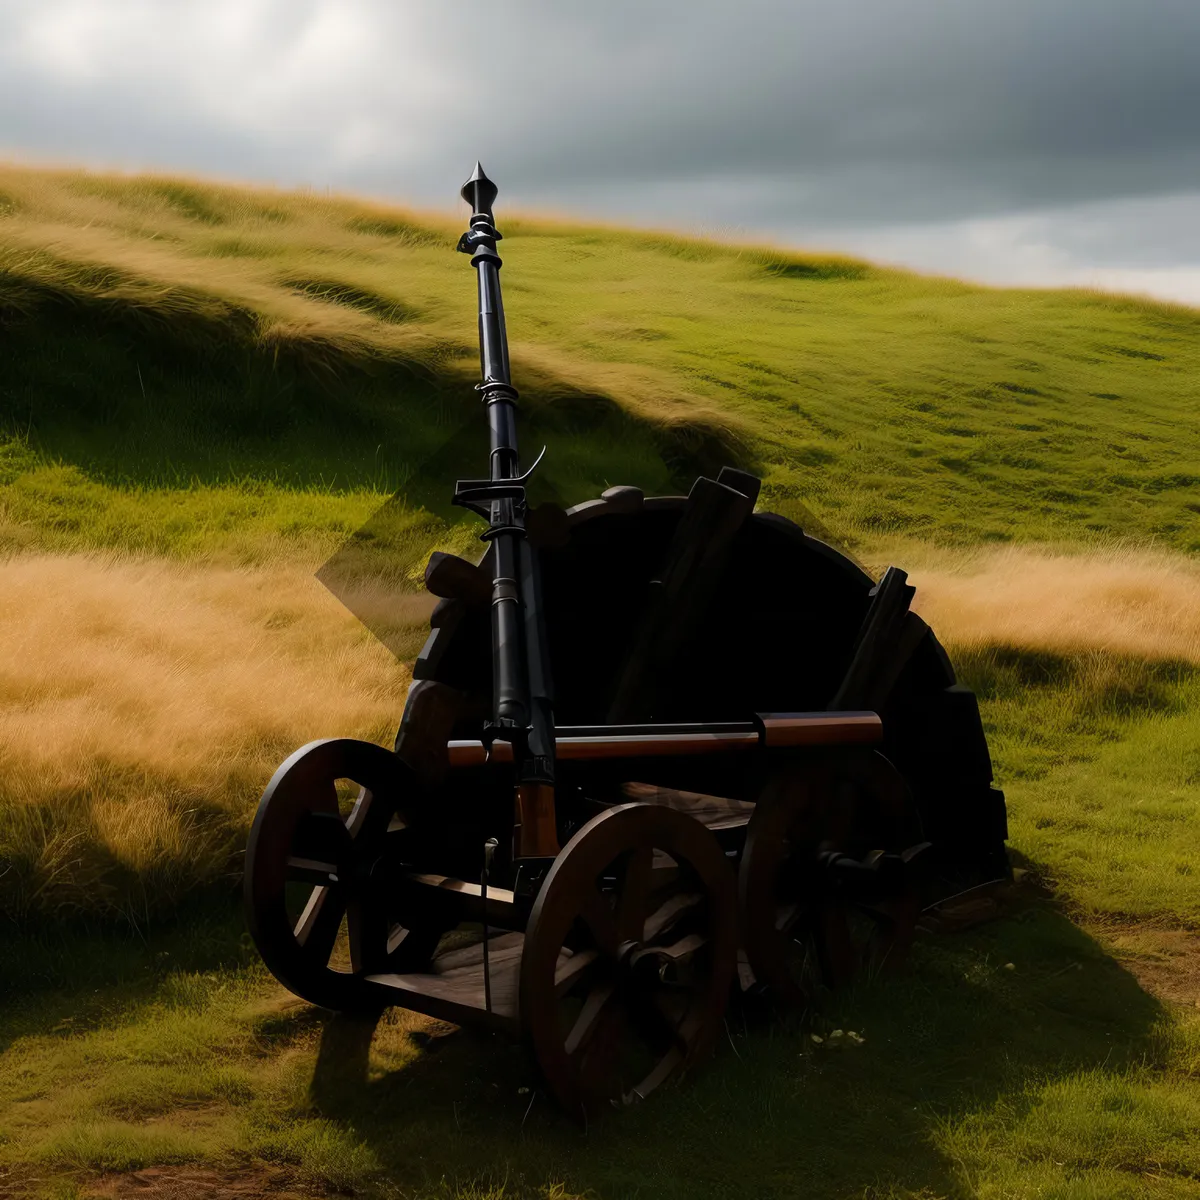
[(144, 705), (1124, 601)]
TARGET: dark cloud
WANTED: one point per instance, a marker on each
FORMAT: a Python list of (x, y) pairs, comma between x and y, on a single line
[(774, 115), (926, 108)]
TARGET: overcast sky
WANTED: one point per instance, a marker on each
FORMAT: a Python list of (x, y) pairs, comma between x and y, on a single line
[(1037, 141)]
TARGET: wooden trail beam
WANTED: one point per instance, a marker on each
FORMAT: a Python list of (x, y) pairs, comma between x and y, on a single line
[(453, 989), (464, 900)]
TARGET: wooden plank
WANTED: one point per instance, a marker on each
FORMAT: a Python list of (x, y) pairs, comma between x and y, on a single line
[(504, 910), (714, 812), (430, 712), (680, 597), (454, 578), (889, 635), (452, 990), (821, 729)]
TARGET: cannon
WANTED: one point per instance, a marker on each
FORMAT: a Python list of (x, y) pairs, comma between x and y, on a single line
[(658, 753)]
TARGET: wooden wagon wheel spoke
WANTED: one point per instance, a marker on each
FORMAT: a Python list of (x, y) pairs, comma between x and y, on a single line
[(879, 915), (676, 954), (788, 916), (596, 1061), (596, 913), (598, 1007), (577, 968), (634, 901), (668, 1065), (319, 923), (370, 817), (370, 931), (841, 819), (659, 1021), (669, 914), (878, 949), (836, 949), (321, 834), (311, 870)]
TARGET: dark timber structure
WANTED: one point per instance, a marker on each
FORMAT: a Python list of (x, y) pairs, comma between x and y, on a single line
[(657, 751)]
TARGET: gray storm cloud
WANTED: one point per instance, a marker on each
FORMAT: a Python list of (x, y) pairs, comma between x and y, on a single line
[(775, 115)]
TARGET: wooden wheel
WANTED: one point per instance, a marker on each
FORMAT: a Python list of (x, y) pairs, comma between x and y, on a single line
[(312, 887), (825, 889), (628, 958)]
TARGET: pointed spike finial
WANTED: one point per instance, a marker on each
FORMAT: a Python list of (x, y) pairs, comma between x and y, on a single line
[(479, 191)]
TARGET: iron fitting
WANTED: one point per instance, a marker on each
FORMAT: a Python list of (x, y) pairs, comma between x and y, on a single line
[(505, 589)]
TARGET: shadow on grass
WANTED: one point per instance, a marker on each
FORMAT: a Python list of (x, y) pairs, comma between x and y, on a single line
[(175, 400), (775, 1114), (80, 972)]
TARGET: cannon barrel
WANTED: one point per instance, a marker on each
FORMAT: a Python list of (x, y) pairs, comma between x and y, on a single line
[(522, 703)]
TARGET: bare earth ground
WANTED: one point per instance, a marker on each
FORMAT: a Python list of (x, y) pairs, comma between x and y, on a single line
[(1165, 961), (195, 1183)]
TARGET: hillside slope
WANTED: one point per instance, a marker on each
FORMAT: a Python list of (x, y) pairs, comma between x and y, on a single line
[(164, 335), (204, 390)]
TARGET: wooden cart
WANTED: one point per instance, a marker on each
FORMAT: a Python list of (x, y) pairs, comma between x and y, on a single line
[(656, 751)]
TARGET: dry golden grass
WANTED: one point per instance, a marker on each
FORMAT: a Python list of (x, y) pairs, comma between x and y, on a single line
[(144, 704), (329, 278), (1125, 601)]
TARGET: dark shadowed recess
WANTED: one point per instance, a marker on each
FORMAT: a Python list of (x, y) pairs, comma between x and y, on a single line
[(137, 395)]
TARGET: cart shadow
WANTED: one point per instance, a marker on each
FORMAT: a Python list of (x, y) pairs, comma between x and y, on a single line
[(978, 1017)]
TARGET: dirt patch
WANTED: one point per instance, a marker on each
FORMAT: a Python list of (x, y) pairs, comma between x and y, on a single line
[(196, 1183), (1166, 962)]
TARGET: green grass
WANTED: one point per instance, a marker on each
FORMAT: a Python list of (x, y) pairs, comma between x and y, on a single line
[(975, 1079), (164, 334), (217, 375), (1100, 759)]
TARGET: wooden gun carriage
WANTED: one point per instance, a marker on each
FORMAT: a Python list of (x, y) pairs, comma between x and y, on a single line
[(657, 751)]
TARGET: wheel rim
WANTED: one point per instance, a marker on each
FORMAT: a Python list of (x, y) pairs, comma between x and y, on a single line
[(628, 959), (312, 892), (799, 932)]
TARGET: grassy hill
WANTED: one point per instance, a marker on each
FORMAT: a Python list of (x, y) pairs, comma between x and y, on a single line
[(315, 353), (205, 389)]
